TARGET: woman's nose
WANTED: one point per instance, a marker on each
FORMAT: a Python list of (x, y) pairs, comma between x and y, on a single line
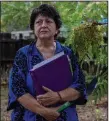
[(44, 24)]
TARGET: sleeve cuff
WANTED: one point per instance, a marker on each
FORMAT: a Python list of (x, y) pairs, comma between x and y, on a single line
[(12, 101), (83, 97)]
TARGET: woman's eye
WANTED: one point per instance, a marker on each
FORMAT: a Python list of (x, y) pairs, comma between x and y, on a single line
[(38, 22), (48, 21)]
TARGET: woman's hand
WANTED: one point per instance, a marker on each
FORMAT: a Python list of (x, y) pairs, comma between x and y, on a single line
[(48, 98), (50, 114)]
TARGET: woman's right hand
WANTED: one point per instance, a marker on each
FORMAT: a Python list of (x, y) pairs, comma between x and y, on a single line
[(50, 114)]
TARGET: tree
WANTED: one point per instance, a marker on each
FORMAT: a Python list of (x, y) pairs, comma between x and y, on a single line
[(15, 15)]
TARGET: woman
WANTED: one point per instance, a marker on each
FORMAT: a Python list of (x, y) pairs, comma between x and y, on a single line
[(45, 23)]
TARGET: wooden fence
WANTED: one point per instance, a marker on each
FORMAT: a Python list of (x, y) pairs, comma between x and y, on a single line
[(8, 48)]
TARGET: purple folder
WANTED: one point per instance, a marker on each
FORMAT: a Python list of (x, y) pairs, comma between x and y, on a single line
[(54, 73)]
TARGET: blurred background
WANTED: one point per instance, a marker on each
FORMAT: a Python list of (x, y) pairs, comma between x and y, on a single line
[(84, 29)]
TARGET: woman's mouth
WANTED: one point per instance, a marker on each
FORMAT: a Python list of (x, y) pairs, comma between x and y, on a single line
[(44, 31)]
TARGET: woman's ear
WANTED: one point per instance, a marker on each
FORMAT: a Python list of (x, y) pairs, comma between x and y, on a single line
[(56, 33)]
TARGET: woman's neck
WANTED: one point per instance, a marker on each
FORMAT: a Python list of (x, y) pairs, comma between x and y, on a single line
[(45, 43), (47, 48)]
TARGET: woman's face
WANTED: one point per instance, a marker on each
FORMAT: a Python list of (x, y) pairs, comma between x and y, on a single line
[(45, 27)]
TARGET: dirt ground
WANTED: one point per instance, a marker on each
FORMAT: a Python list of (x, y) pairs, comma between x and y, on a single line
[(88, 112)]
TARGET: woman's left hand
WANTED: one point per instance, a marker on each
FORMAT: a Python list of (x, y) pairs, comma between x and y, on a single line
[(49, 98)]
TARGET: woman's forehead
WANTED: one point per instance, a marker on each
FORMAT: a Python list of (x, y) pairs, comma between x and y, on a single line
[(43, 17)]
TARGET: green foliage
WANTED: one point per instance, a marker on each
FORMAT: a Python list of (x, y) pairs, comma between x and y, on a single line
[(15, 15), (101, 90), (73, 13), (87, 39)]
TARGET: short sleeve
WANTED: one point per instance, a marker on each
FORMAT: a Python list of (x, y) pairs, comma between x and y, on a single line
[(78, 82), (17, 79)]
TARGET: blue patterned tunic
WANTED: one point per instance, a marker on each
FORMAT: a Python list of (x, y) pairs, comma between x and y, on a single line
[(20, 83)]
